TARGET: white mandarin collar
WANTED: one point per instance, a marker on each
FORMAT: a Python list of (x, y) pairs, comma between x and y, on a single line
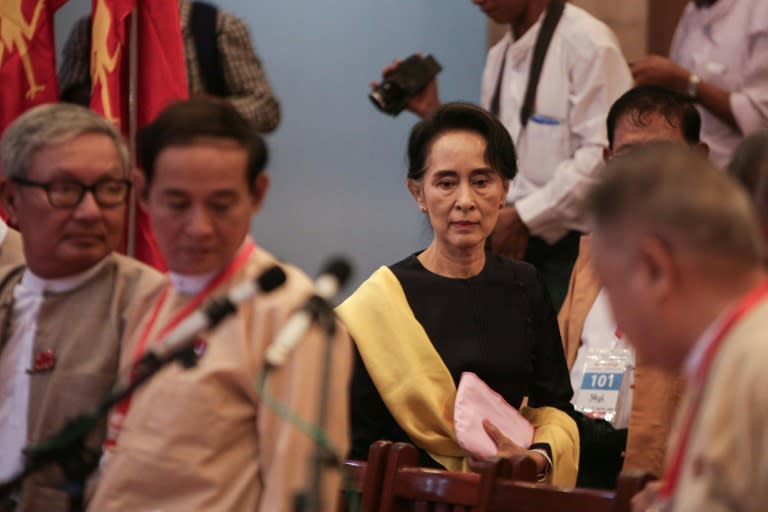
[(3, 230), (696, 355), (186, 284), (37, 285), (519, 49), (190, 284), (707, 15)]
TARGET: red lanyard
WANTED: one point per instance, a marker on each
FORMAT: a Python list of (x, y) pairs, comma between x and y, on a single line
[(235, 265), (674, 466)]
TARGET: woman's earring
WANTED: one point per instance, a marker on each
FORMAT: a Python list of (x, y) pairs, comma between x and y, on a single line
[(423, 209)]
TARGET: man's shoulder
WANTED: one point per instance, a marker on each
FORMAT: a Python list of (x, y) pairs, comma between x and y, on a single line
[(584, 32), (297, 283), (134, 272)]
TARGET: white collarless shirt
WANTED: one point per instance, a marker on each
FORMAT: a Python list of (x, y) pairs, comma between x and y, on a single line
[(560, 151), (726, 44), (17, 357), (600, 334)]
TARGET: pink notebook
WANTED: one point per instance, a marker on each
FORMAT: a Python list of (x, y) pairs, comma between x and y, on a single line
[(476, 401)]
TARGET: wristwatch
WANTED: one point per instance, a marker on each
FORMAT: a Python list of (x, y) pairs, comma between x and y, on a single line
[(693, 85)]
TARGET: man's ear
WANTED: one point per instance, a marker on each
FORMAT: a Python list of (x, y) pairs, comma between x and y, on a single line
[(659, 267), (139, 180), (702, 148), (259, 191), (417, 191), (8, 200)]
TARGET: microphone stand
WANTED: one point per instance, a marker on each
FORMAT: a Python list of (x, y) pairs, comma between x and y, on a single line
[(67, 447), (310, 500)]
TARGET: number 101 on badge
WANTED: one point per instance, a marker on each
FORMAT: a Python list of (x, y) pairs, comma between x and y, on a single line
[(598, 395)]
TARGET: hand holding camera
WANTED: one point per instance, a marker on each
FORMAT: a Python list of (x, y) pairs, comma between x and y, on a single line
[(410, 84)]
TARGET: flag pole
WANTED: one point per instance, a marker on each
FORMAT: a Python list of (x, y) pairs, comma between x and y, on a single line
[(133, 61)]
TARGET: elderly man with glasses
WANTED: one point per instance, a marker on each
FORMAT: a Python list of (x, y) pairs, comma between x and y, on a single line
[(62, 313)]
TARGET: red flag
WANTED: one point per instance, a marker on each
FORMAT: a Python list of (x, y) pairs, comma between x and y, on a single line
[(109, 44), (162, 77), (27, 56)]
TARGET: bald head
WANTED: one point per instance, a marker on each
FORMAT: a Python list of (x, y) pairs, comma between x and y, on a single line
[(675, 243), (678, 195)]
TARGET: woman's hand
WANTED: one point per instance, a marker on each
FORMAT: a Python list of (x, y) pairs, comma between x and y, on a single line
[(506, 447)]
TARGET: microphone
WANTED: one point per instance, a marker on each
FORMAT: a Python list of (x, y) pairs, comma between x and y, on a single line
[(210, 315), (333, 277)]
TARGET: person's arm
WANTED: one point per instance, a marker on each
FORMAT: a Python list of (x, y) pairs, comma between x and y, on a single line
[(369, 418), (249, 90), (596, 81), (549, 391), (551, 382), (74, 73), (657, 70), (744, 109)]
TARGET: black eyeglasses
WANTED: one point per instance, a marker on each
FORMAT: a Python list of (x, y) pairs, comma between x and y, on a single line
[(68, 194)]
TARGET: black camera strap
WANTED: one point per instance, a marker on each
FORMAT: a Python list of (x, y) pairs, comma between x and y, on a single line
[(548, 26), (202, 23), (543, 38)]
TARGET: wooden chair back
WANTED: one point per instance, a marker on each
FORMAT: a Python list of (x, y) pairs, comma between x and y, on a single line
[(516, 496), (409, 488), (361, 487)]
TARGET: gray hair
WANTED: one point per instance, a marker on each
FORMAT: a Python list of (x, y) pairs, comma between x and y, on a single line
[(53, 123), (749, 159), (676, 194)]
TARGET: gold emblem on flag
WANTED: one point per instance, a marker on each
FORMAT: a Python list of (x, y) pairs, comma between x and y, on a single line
[(15, 31), (102, 62)]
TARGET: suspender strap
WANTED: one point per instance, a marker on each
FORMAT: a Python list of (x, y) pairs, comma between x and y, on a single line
[(548, 26), (202, 23), (496, 98)]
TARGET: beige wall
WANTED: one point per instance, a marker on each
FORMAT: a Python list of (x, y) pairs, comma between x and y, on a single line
[(627, 18)]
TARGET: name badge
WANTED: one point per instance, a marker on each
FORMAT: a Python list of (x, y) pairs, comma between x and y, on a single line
[(605, 384)]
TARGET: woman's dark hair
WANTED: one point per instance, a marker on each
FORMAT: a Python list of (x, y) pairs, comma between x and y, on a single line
[(499, 151), (186, 122)]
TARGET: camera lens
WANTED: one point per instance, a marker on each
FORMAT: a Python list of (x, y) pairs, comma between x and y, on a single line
[(377, 97), (388, 97)]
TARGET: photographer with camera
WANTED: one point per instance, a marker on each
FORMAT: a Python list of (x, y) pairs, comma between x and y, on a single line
[(550, 80)]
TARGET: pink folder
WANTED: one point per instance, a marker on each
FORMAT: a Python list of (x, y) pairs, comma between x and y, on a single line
[(476, 401)]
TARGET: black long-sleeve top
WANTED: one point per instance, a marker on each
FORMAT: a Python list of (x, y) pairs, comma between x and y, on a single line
[(499, 324)]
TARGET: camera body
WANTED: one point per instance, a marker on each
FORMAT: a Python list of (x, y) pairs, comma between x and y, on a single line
[(406, 80)]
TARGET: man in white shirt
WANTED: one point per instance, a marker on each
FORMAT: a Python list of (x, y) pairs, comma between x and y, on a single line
[(719, 57), (62, 314), (685, 279), (560, 148)]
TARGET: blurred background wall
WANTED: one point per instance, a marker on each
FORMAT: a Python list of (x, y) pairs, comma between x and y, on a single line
[(337, 164)]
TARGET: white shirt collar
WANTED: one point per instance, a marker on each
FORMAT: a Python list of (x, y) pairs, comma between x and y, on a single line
[(519, 48), (38, 285), (696, 355), (3, 230), (190, 284), (708, 15)]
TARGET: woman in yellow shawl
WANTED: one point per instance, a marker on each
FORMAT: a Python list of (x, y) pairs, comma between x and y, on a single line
[(455, 307)]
